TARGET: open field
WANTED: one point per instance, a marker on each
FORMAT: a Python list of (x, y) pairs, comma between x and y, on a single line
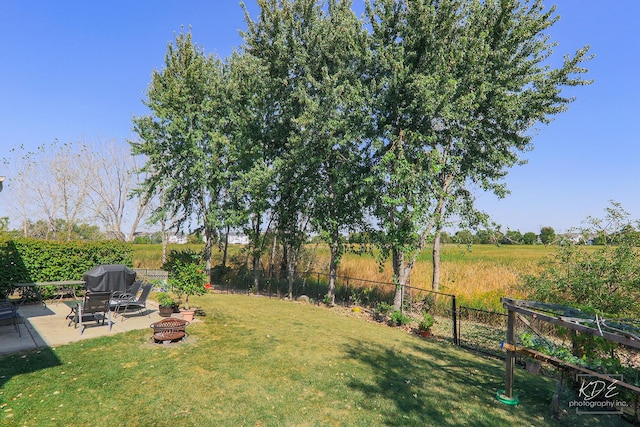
[(255, 361), (478, 276)]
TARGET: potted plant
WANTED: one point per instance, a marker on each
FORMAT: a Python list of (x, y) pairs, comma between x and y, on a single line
[(166, 304), (186, 277), (424, 327)]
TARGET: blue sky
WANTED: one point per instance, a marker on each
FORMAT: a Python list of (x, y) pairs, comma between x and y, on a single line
[(77, 71)]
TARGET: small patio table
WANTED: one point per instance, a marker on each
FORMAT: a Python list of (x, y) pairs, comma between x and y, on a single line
[(32, 291)]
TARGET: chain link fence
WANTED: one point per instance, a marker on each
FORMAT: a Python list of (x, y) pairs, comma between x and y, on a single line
[(373, 296)]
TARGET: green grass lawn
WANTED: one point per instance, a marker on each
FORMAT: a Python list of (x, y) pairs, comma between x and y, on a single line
[(254, 361)]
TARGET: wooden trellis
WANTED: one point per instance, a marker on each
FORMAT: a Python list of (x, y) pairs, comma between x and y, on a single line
[(618, 331)]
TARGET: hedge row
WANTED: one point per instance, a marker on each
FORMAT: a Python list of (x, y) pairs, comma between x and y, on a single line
[(30, 260)]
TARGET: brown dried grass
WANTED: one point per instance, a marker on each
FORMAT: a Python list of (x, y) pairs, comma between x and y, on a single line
[(478, 276)]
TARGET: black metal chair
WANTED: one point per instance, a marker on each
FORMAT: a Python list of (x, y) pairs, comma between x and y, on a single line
[(131, 293), (92, 304), (10, 311), (137, 304)]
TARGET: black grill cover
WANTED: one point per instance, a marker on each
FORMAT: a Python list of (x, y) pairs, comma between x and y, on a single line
[(111, 277)]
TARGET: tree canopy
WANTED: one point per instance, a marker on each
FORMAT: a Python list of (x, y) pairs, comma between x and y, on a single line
[(325, 122)]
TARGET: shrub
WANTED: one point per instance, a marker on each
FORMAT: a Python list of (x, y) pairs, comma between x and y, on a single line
[(604, 280), (382, 310), (33, 260), (427, 322), (186, 274), (165, 300), (398, 318)]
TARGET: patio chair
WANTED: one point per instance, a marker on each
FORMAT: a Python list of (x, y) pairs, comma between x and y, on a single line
[(92, 304), (118, 298), (131, 293), (10, 311), (137, 304)]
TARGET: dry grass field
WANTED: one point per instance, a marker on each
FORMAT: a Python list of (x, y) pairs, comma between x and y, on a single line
[(478, 275)]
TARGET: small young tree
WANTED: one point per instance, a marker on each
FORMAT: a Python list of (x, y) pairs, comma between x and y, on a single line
[(605, 280), (186, 274)]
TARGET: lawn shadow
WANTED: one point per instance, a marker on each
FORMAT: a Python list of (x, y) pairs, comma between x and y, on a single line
[(436, 383), (25, 362), (25, 351)]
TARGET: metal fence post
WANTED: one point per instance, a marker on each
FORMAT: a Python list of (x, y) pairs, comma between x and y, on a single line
[(454, 317), (346, 297), (511, 355)]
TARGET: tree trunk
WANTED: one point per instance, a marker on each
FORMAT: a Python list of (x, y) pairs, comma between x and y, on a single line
[(273, 255), (208, 246), (284, 263), (257, 249), (225, 248), (435, 284), (163, 229), (401, 272), (333, 271), (143, 204), (291, 269), (256, 274), (163, 234), (437, 227)]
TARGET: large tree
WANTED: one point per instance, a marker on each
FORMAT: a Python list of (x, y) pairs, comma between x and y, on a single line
[(459, 85), (313, 53), (72, 183), (184, 137), (49, 184), (113, 177), (279, 39), (334, 120), (252, 116)]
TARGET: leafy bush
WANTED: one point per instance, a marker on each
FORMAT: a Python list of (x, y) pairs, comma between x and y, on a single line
[(604, 280), (398, 318), (165, 300), (186, 274), (382, 310), (32, 260), (427, 322), (428, 302)]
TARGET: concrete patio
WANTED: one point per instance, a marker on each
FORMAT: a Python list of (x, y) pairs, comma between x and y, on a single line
[(46, 326)]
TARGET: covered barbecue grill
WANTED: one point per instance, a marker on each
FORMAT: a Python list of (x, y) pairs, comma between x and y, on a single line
[(110, 277)]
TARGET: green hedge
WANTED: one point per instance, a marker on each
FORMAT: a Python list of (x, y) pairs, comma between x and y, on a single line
[(30, 260)]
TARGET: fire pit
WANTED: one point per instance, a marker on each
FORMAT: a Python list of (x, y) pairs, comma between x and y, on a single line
[(169, 330)]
